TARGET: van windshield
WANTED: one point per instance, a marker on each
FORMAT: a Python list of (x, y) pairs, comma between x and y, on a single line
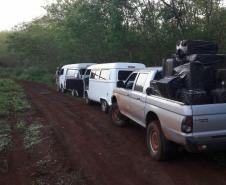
[(123, 75), (82, 71)]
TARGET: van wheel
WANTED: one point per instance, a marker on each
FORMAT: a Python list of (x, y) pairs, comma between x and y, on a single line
[(104, 106), (117, 118), (58, 89), (62, 89), (87, 100), (74, 93), (158, 146)]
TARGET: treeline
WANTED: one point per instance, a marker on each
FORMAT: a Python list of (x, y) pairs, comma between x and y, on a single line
[(99, 31)]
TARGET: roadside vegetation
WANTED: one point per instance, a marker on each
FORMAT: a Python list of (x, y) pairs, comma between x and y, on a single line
[(104, 31), (23, 135), (12, 98)]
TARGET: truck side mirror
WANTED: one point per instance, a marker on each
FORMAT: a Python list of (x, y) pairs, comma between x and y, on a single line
[(120, 84), (149, 91)]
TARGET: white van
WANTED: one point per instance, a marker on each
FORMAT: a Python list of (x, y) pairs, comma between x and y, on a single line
[(71, 71), (103, 79)]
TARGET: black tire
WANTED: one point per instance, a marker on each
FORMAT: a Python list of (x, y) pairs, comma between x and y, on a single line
[(104, 106), (74, 93), (117, 118), (58, 89), (87, 100), (62, 90), (158, 146)]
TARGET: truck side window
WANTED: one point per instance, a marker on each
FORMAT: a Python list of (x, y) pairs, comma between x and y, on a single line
[(130, 81), (139, 86)]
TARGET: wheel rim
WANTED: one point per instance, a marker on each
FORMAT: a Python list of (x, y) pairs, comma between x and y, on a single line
[(154, 141)]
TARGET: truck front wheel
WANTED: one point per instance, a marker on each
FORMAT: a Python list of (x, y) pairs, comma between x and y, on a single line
[(158, 146), (117, 118)]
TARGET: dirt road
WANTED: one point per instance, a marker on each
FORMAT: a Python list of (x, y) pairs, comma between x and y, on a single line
[(116, 156)]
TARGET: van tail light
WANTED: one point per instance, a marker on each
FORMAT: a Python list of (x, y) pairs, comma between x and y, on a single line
[(187, 125)]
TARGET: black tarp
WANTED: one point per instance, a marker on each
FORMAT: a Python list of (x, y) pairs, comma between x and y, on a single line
[(188, 47), (193, 97), (168, 86), (75, 84)]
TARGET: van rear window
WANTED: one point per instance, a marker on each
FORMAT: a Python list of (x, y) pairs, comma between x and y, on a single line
[(123, 75)]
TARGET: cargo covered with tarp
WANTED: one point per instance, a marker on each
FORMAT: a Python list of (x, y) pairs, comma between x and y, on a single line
[(196, 74)]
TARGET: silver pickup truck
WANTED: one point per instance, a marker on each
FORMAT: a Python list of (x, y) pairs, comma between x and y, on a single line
[(169, 123)]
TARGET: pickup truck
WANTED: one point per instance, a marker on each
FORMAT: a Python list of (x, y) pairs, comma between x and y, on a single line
[(168, 123)]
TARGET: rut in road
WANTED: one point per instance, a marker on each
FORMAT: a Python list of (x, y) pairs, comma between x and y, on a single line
[(114, 156)]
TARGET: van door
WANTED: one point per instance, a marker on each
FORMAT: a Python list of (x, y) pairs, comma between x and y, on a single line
[(137, 98)]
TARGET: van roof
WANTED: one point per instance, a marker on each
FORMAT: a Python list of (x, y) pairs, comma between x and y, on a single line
[(118, 65), (79, 65), (148, 69)]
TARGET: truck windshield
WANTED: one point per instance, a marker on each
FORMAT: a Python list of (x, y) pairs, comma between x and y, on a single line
[(123, 75)]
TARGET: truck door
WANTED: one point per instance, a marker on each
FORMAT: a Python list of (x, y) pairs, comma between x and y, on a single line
[(137, 98), (124, 99)]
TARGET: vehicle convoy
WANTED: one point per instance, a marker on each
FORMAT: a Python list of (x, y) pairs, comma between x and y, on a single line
[(71, 78), (103, 78), (186, 108)]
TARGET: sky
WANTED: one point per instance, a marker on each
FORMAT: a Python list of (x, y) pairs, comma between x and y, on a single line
[(13, 12)]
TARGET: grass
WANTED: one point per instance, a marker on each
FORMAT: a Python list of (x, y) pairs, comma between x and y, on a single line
[(30, 73), (31, 134), (5, 137), (12, 98)]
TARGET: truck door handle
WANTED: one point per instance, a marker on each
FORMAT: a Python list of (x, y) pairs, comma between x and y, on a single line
[(127, 94), (137, 98)]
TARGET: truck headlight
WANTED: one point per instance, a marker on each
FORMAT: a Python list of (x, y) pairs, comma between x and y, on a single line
[(187, 125)]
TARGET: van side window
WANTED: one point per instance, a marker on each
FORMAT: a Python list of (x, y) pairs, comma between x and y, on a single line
[(95, 74), (105, 74), (72, 73), (139, 86), (123, 75), (130, 81)]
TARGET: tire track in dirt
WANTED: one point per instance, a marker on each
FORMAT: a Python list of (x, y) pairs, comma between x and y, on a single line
[(110, 155)]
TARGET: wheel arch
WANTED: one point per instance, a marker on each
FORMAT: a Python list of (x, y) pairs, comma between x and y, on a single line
[(151, 116), (113, 99)]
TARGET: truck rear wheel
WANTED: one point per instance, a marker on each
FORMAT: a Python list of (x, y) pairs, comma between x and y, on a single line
[(117, 118), (104, 106), (158, 146)]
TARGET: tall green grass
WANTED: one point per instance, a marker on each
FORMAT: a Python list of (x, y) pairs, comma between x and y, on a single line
[(12, 98)]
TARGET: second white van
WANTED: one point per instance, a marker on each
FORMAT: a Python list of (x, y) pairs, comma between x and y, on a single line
[(71, 71), (103, 79)]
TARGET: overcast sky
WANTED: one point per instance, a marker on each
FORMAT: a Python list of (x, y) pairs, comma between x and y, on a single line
[(13, 12)]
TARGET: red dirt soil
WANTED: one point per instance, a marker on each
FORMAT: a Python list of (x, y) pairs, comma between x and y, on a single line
[(115, 156)]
